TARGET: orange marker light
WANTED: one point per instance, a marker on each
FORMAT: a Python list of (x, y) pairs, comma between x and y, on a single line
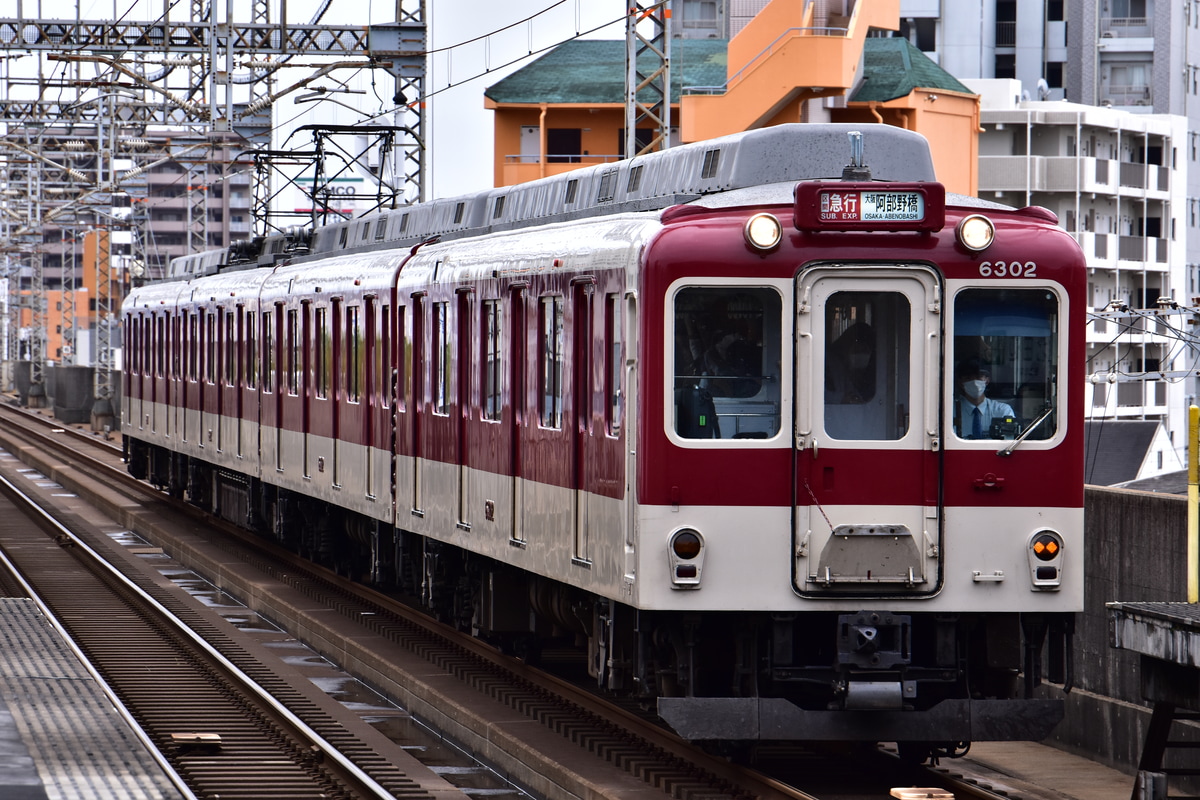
[(1046, 546)]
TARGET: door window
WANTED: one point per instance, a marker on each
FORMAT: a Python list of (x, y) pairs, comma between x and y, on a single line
[(867, 369)]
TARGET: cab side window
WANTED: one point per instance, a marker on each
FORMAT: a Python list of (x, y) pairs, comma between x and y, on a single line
[(726, 364)]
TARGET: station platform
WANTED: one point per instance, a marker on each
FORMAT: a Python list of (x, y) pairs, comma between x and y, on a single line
[(1166, 635), (1034, 771), (60, 736)]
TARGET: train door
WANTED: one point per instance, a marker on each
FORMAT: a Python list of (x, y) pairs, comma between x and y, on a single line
[(210, 408), (583, 292), (138, 368), (247, 387), (276, 372), (335, 382), (161, 378), (175, 400), (461, 407), (229, 402), (517, 394), (371, 391), (302, 361), (867, 516), (191, 406), (418, 408)]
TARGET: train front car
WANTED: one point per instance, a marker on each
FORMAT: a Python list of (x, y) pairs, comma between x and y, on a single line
[(859, 479)]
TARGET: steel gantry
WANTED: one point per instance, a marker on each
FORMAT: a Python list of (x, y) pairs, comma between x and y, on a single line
[(88, 107), (648, 75)]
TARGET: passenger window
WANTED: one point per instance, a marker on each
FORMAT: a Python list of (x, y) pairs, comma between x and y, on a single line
[(210, 341), (248, 319), (1005, 364), (230, 350), (615, 367), (268, 359), (356, 365), (293, 351), (383, 357), (441, 359), (194, 346), (867, 370), (322, 368), (726, 367), (550, 377), (492, 361)]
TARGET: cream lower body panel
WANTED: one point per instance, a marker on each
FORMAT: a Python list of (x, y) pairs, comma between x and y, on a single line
[(535, 527), (749, 558)]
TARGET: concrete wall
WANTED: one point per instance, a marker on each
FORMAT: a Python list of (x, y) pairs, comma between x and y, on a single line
[(1136, 550)]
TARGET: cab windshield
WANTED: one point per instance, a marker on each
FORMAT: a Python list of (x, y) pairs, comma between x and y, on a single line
[(1005, 364)]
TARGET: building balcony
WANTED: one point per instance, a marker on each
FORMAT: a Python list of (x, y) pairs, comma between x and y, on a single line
[(1125, 27), (1128, 96), (1071, 174), (1143, 250), (1105, 250), (1006, 34)]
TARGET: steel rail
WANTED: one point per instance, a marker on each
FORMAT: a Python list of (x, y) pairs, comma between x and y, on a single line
[(246, 683)]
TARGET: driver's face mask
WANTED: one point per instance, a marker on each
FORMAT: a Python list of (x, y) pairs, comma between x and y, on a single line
[(974, 389)]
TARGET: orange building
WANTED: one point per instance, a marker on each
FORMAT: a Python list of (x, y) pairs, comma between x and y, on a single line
[(79, 310), (794, 62)]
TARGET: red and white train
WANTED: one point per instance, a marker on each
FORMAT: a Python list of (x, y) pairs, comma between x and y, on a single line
[(795, 447)]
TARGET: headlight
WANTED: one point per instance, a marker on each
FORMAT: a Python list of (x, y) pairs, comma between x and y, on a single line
[(763, 232), (975, 232)]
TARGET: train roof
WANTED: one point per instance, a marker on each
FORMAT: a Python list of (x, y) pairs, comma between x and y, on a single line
[(781, 155)]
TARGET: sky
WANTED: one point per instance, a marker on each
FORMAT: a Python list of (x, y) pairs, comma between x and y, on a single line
[(462, 128), (473, 44)]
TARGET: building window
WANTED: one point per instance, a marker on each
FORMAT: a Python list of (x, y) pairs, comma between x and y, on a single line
[(921, 32), (564, 145), (1126, 9), (642, 139), (1054, 74), (1006, 65)]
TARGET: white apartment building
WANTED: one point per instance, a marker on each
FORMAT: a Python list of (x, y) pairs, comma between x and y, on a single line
[(1140, 57), (1117, 181)]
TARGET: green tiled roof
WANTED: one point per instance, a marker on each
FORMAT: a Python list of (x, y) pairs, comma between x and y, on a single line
[(593, 71), (893, 68)]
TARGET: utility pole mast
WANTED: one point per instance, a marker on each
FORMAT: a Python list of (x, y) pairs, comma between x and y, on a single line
[(648, 75)]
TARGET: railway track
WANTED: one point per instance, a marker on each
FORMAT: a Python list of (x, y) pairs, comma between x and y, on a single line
[(387, 643), (223, 730)]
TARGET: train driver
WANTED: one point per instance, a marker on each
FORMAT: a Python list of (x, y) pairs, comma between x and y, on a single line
[(976, 412)]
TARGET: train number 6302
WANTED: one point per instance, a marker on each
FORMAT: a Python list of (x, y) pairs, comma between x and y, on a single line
[(1008, 269)]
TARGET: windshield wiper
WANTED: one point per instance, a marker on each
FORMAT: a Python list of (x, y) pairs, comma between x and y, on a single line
[(1007, 451)]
